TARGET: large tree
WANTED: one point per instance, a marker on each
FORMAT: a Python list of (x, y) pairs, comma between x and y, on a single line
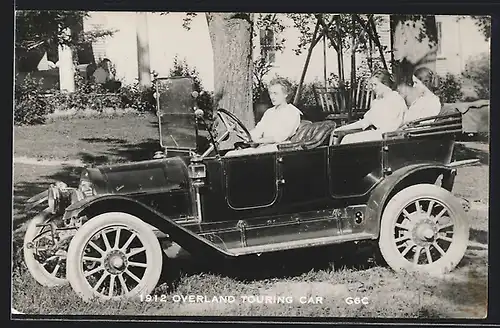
[(231, 36)]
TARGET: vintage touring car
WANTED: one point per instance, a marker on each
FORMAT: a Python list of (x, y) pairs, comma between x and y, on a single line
[(107, 236)]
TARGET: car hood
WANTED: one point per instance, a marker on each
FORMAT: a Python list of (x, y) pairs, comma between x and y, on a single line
[(139, 177)]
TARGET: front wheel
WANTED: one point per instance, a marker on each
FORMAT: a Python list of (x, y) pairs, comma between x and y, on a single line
[(45, 253), (114, 256), (424, 228)]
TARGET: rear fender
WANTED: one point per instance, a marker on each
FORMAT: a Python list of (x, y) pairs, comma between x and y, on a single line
[(397, 181), (188, 240)]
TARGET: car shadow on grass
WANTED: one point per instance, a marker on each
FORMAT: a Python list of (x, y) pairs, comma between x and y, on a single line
[(467, 285), (278, 265), (119, 151)]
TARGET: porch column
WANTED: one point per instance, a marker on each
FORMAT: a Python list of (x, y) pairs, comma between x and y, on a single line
[(143, 63), (66, 69)]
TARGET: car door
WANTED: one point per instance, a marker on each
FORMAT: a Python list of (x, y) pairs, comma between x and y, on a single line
[(304, 177), (354, 168), (251, 181)]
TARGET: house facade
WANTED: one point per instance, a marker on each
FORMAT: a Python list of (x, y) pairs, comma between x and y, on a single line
[(459, 39)]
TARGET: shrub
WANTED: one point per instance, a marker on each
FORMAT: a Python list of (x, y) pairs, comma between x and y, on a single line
[(205, 100), (449, 88), (261, 68), (478, 69), (137, 97), (182, 68), (30, 104), (307, 99)]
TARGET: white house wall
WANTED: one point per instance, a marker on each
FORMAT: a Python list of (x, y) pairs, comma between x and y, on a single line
[(167, 38), (121, 48), (461, 40)]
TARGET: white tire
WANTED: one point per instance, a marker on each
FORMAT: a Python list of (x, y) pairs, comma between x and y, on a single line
[(432, 239), (49, 273), (101, 266)]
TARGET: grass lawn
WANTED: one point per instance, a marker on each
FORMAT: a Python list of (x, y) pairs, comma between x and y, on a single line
[(92, 141), (332, 273)]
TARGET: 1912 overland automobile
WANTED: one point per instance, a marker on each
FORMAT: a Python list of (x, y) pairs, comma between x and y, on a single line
[(105, 236)]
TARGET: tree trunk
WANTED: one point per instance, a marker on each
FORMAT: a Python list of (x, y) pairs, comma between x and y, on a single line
[(231, 36), (143, 63), (371, 26), (352, 89), (325, 78), (353, 52), (340, 54), (414, 44), (306, 64)]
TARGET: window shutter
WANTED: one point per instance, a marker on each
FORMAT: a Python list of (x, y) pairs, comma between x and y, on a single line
[(99, 45), (267, 45)]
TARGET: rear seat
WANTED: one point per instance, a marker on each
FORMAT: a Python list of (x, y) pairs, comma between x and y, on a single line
[(309, 135), (449, 119)]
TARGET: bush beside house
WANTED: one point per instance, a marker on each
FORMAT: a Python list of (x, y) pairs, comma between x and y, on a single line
[(478, 75)]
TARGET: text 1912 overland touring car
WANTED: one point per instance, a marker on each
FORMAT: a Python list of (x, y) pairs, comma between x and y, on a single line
[(104, 236)]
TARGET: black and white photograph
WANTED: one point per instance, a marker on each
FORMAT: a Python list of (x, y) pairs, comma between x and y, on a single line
[(250, 164)]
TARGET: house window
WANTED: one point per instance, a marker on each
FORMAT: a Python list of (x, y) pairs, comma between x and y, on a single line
[(439, 38), (267, 45)]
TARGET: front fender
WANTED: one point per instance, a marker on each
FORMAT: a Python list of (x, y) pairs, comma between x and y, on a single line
[(397, 181), (191, 242)]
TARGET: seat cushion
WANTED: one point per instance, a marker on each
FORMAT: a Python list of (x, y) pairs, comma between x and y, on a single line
[(309, 135)]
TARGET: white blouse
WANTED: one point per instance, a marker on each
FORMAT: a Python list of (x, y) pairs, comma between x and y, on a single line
[(278, 123), (426, 106), (386, 113)]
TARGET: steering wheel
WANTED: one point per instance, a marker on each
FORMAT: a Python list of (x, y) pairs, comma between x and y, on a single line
[(233, 124)]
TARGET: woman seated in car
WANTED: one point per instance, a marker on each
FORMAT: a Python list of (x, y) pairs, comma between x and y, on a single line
[(278, 123), (421, 101), (385, 114)]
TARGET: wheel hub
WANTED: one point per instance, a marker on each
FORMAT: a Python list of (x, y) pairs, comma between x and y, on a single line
[(115, 262), (424, 232)]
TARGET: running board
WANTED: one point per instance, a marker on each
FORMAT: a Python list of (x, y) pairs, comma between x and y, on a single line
[(294, 244)]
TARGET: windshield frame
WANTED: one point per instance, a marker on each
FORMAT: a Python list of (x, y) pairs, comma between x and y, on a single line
[(160, 114)]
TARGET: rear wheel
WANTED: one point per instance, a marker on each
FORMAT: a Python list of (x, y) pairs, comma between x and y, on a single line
[(114, 256), (424, 228)]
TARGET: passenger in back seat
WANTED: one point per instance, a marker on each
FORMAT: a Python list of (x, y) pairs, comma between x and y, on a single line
[(385, 115), (421, 101)]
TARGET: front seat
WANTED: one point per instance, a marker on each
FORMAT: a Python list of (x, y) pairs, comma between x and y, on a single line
[(309, 135)]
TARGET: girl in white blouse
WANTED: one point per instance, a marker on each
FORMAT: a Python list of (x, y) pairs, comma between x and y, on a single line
[(385, 114), (278, 122), (421, 101)]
